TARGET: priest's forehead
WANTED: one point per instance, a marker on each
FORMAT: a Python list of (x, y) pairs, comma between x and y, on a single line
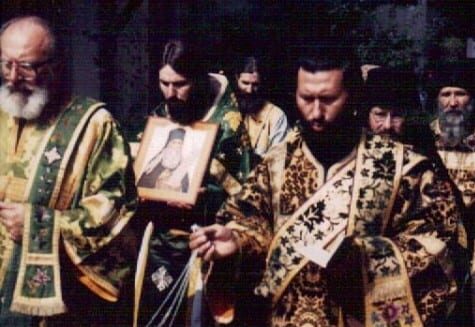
[(30, 34)]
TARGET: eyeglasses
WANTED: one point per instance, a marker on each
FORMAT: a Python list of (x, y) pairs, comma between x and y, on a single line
[(382, 115), (28, 70)]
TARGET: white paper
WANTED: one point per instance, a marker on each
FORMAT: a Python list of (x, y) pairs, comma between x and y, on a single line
[(319, 255)]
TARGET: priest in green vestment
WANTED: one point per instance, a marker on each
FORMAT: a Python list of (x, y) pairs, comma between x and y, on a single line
[(66, 191), (190, 94)]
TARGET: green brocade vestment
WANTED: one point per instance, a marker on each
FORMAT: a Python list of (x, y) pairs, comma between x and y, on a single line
[(70, 172), (228, 167)]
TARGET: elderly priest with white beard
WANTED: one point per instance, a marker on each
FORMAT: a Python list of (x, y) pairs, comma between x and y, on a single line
[(66, 191)]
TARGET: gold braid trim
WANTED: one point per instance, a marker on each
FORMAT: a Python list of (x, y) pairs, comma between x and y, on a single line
[(97, 284), (391, 292), (68, 196), (40, 306), (7, 244)]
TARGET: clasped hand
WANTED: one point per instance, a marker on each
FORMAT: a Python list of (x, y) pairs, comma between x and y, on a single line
[(12, 216), (214, 242)]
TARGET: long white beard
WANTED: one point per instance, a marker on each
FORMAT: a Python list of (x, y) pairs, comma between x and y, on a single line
[(19, 105)]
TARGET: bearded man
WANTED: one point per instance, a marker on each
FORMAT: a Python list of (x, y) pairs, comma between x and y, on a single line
[(454, 124), (66, 191), (452, 87), (265, 122), (389, 96), (191, 94), (357, 230)]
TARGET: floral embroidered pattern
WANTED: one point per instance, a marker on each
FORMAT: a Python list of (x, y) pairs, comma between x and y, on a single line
[(423, 206), (41, 277), (392, 313), (41, 226), (318, 218), (465, 181), (305, 301), (378, 167), (39, 281), (300, 183), (381, 261)]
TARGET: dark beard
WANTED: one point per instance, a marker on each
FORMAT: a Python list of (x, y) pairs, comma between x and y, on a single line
[(249, 103), (336, 142), (195, 107), (186, 112)]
